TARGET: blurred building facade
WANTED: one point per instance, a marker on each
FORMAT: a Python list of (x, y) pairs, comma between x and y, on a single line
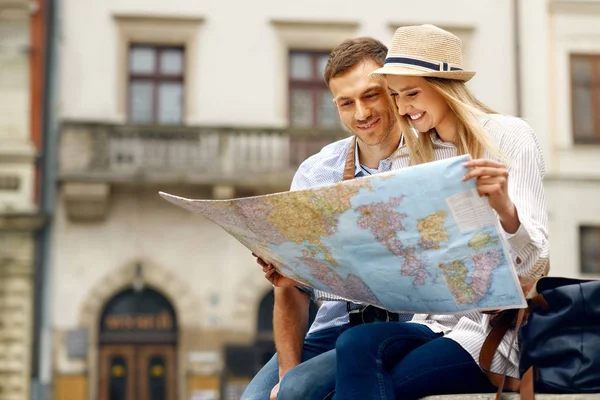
[(21, 74), (224, 99), (561, 99)]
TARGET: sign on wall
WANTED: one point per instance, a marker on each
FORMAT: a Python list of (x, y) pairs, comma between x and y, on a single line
[(138, 316)]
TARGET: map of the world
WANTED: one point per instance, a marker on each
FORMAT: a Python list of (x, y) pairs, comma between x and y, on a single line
[(412, 240)]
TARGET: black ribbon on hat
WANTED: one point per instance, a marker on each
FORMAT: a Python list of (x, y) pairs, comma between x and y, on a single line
[(425, 64)]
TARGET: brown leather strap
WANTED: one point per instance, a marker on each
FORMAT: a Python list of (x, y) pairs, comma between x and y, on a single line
[(538, 301), (507, 380), (502, 323), (350, 168), (527, 385), (490, 346)]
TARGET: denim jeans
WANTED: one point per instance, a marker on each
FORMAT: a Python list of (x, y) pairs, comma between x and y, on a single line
[(403, 360), (314, 379)]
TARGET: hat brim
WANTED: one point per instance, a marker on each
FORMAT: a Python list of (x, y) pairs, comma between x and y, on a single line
[(408, 71)]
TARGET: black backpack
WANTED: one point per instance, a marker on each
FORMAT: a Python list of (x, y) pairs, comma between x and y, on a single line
[(559, 340)]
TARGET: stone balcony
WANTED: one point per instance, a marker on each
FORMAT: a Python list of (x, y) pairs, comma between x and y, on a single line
[(94, 156), (16, 9)]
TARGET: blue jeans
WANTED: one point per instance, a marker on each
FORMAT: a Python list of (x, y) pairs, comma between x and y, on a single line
[(403, 360), (313, 379)]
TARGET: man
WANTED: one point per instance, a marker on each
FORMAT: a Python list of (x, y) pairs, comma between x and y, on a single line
[(304, 367)]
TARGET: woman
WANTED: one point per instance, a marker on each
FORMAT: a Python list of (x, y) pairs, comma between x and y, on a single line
[(436, 354)]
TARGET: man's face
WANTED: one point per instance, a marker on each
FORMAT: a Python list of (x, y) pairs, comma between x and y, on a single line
[(363, 103)]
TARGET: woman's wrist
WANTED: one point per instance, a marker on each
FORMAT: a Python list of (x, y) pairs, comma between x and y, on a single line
[(509, 219)]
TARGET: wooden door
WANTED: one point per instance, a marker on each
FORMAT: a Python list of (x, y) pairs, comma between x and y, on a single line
[(117, 373), (129, 372), (156, 378)]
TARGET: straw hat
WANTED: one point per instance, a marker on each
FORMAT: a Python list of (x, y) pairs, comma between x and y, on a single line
[(425, 50)]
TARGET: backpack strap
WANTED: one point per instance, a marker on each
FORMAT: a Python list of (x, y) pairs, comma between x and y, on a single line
[(503, 323), (350, 166), (527, 384)]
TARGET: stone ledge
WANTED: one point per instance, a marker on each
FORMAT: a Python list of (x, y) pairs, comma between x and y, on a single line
[(86, 202), (22, 221), (514, 396)]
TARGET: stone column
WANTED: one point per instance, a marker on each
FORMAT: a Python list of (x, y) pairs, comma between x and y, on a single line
[(16, 305)]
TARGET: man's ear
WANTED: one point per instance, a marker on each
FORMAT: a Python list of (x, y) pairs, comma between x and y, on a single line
[(336, 105)]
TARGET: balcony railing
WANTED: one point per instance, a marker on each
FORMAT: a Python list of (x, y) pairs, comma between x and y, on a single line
[(203, 155)]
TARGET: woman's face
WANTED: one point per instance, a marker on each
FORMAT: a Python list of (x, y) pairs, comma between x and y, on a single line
[(416, 99)]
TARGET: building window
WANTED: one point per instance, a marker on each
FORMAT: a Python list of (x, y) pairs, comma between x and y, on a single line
[(311, 102), (589, 249), (585, 82), (118, 378), (156, 84)]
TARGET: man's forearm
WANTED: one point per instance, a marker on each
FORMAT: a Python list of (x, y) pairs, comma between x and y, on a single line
[(290, 321)]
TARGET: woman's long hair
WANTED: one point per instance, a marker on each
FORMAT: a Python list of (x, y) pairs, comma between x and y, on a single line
[(471, 137)]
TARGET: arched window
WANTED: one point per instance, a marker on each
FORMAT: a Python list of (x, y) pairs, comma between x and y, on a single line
[(144, 316)]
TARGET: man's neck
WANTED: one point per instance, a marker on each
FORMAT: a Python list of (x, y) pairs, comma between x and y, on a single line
[(371, 155)]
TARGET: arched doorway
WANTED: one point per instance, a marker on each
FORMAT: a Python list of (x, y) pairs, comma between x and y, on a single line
[(138, 339)]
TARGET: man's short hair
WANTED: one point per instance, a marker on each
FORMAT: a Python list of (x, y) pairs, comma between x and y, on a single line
[(352, 52)]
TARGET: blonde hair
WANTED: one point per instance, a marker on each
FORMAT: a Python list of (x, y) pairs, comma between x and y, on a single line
[(471, 137)]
